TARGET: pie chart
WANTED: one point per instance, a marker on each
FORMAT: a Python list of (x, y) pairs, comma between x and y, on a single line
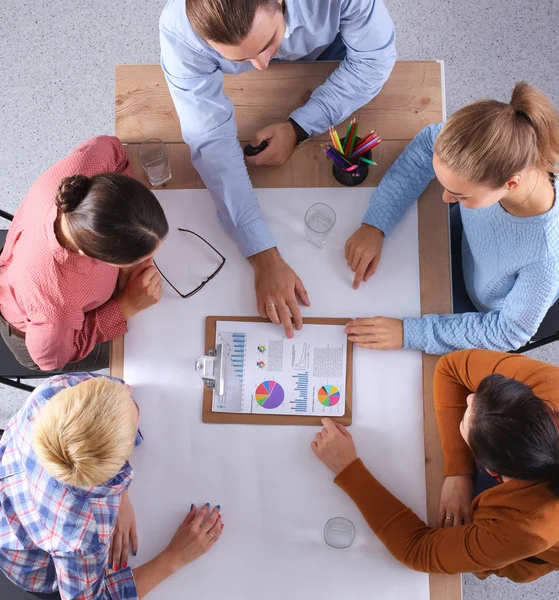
[(269, 394), (329, 395)]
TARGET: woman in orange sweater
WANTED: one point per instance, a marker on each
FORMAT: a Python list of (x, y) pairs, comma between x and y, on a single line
[(498, 412)]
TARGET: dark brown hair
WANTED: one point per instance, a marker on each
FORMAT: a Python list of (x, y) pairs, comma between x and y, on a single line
[(111, 217), (226, 21), (513, 432), (488, 142)]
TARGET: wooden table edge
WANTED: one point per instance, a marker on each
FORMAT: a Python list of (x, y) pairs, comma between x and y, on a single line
[(435, 293)]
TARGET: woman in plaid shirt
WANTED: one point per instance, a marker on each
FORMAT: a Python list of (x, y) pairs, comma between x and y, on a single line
[(66, 522)]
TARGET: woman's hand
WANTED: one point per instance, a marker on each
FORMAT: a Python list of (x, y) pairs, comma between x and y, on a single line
[(197, 534), (376, 333), (456, 499), (362, 252), (142, 289), (334, 446), (123, 277), (125, 539)]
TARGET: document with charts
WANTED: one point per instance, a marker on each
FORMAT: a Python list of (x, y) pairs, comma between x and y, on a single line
[(266, 373)]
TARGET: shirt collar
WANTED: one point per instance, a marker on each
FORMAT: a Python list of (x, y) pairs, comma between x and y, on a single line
[(293, 17), (113, 487)]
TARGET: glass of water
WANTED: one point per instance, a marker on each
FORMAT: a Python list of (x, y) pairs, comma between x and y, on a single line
[(154, 157), (319, 222)]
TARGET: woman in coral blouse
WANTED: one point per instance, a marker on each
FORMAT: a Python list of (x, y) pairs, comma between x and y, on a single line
[(77, 262), (498, 412)]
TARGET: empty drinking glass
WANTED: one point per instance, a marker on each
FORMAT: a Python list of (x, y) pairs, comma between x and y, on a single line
[(155, 160), (319, 222)]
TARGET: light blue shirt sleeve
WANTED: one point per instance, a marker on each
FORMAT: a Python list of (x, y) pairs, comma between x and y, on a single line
[(404, 182), (368, 34), (208, 126), (523, 310), (206, 114)]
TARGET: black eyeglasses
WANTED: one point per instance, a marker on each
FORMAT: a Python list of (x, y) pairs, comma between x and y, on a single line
[(195, 291)]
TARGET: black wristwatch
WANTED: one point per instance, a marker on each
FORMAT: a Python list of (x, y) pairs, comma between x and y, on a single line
[(302, 135)]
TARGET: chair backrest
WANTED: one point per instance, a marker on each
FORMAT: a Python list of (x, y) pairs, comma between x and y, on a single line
[(9, 366)]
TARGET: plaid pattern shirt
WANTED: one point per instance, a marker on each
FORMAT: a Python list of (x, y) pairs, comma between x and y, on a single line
[(52, 536)]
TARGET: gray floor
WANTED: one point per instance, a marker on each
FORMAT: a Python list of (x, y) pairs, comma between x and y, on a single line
[(56, 89)]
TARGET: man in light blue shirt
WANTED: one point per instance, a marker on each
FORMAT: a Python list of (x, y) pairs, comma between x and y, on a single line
[(208, 38)]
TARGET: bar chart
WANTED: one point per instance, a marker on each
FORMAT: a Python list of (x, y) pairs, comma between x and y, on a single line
[(301, 396), (238, 354)]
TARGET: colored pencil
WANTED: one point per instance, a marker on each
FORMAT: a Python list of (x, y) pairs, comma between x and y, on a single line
[(359, 153), (366, 160), (366, 148), (338, 143), (353, 137), (341, 156), (331, 132), (336, 158), (340, 160), (347, 135), (366, 140), (343, 166)]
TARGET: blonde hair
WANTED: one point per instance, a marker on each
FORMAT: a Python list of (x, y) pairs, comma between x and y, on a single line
[(488, 142), (85, 433)]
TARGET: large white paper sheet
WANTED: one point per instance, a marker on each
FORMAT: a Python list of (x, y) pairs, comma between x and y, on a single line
[(275, 496), (267, 373)]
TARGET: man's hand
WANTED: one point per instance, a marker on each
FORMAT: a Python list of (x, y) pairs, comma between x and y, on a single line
[(281, 138), (362, 252), (334, 446), (125, 538), (277, 288), (456, 498), (377, 333)]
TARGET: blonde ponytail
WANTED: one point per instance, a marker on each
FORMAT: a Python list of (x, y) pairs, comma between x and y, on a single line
[(487, 142), (534, 106)]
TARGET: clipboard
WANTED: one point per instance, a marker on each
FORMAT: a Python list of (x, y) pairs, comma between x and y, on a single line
[(208, 416)]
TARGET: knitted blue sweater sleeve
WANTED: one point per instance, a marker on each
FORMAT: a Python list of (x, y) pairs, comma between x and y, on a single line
[(404, 182), (510, 328)]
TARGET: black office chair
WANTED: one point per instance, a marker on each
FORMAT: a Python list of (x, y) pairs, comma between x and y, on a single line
[(547, 333)]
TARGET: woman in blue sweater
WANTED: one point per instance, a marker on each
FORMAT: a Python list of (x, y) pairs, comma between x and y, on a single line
[(496, 161)]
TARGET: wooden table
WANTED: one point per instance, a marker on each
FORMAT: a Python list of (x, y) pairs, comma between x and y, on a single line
[(410, 100)]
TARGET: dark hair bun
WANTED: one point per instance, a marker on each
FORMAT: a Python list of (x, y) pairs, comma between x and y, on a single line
[(71, 192)]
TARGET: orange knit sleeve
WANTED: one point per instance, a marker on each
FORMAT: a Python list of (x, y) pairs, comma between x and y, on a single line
[(485, 545)]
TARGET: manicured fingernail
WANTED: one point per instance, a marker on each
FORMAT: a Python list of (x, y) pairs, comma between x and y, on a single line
[(219, 516), (191, 506), (218, 507), (110, 567), (124, 565), (117, 567), (222, 525), (134, 553), (207, 503)]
